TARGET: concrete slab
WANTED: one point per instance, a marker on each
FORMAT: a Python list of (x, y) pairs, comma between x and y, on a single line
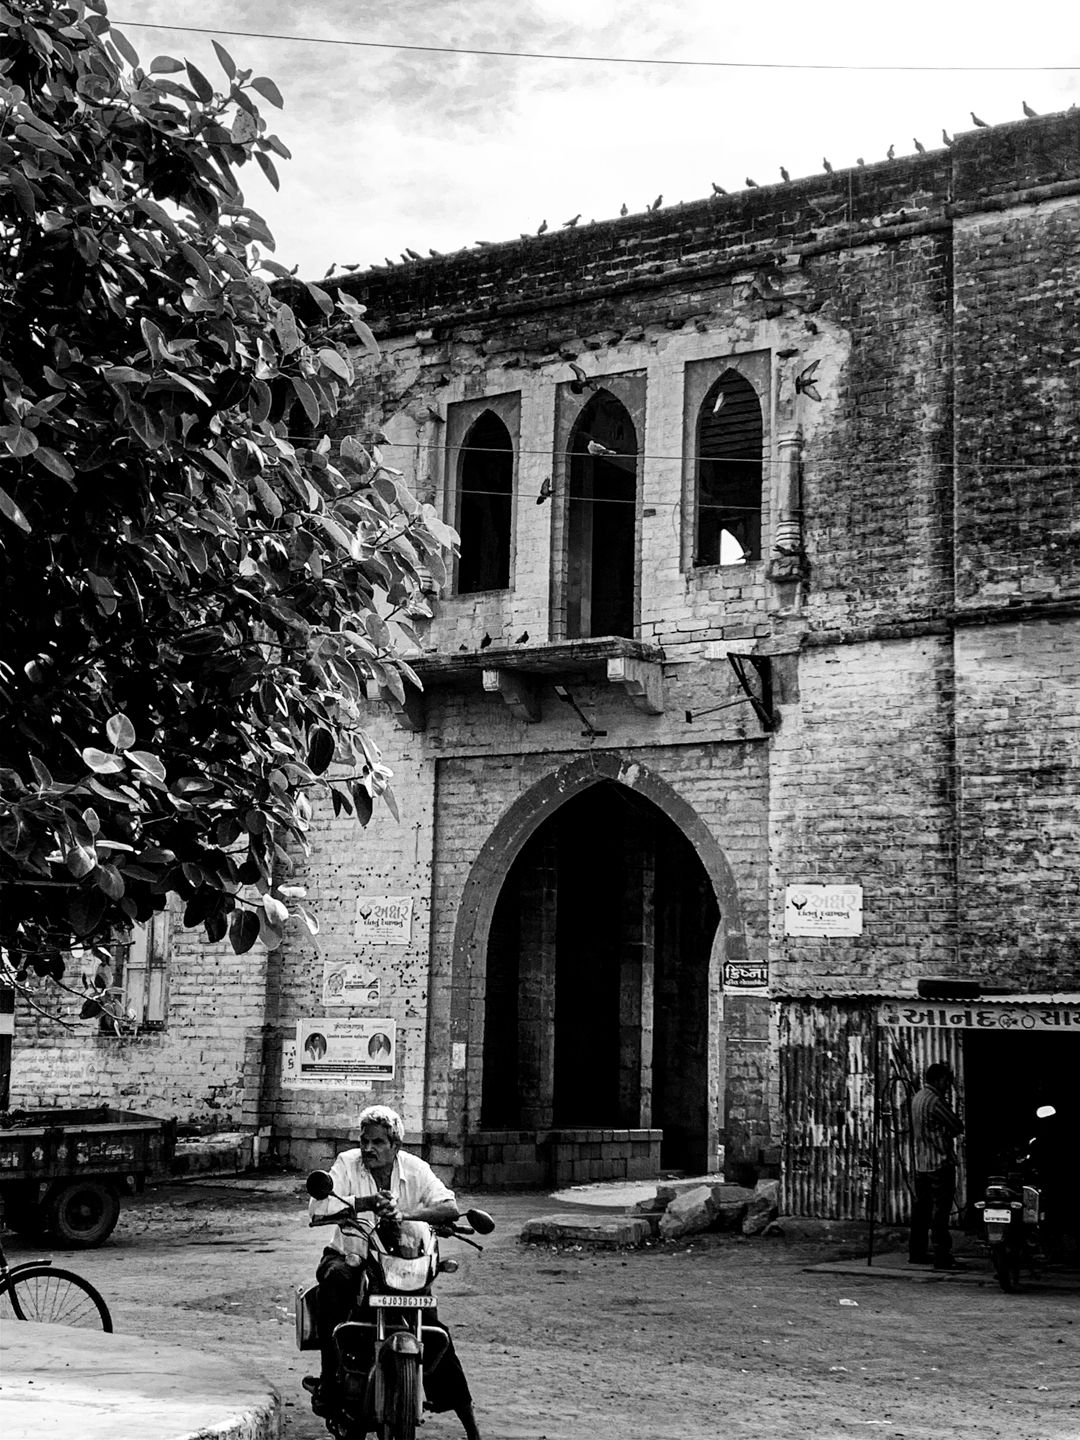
[(893, 1265), (625, 1194), (56, 1382), (614, 1232)]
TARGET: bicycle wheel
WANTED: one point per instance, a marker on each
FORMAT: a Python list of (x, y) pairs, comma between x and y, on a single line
[(57, 1297)]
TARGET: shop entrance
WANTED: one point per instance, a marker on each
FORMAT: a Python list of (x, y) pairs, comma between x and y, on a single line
[(597, 994), (1007, 1076)]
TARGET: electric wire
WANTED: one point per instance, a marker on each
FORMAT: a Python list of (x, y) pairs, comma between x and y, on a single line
[(687, 63)]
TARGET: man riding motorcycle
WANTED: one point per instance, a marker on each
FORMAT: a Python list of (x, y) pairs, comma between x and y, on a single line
[(379, 1179)]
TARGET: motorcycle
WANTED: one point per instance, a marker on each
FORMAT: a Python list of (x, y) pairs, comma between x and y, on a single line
[(1012, 1212), (385, 1349)]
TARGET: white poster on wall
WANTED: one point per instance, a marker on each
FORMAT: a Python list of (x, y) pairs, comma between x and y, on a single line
[(383, 919), (346, 983), (342, 1053), (823, 910)]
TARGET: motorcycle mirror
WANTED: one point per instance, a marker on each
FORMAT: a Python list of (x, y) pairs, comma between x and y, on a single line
[(1045, 1111), (319, 1185), (480, 1221)]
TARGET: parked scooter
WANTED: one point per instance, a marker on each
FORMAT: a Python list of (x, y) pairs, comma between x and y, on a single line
[(1012, 1212), (386, 1347)]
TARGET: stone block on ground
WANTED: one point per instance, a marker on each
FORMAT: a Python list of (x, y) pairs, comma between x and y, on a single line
[(689, 1213), (612, 1232), (761, 1208)]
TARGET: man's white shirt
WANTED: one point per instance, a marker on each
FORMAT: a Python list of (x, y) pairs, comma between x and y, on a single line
[(413, 1184)]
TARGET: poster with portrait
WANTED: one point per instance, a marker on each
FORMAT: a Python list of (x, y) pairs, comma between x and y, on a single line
[(345, 983), (339, 1053)]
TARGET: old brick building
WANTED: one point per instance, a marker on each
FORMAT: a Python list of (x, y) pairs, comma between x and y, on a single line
[(770, 579)]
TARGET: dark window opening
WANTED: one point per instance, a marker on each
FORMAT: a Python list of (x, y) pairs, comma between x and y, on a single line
[(601, 521), (485, 506), (729, 474)]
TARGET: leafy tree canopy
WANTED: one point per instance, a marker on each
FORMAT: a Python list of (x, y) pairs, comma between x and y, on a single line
[(193, 598)]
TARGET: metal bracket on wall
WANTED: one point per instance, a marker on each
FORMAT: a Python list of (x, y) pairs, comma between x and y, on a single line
[(518, 691), (759, 696), (643, 681)]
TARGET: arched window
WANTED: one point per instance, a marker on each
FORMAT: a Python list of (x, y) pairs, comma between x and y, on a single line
[(485, 506), (601, 520), (729, 474)]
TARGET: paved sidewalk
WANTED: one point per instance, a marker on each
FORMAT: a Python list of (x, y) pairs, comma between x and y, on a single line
[(58, 1383)]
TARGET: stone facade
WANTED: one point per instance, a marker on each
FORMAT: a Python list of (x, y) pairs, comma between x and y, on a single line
[(908, 625)]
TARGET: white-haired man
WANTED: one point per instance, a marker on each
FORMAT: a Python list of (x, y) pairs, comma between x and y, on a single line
[(382, 1181)]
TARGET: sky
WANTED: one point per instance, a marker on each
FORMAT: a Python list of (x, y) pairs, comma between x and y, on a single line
[(396, 148)]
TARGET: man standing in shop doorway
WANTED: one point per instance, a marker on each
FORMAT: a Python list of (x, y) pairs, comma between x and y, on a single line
[(934, 1128)]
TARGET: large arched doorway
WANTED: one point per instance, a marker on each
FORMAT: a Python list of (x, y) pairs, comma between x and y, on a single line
[(597, 999)]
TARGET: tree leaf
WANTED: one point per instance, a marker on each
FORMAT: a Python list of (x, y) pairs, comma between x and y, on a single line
[(320, 753), (336, 363), (287, 332), (367, 339), (13, 513), (268, 90), (267, 166), (225, 59), (54, 461), (199, 83), (165, 65), (243, 931), (150, 763), (124, 45), (101, 762), (120, 731), (362, 801), (80, 860)]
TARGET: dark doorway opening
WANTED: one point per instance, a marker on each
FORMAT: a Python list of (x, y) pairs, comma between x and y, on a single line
[(601, 525), (597, 999), (485, 506), (729, 473), (1007, 1076)]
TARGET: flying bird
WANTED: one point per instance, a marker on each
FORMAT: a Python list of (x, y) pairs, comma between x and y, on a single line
[(545, 490), (485, 642), (542, 228), (946, 138), (717, 189), (595, 448), (890, 154), (523, 638), (623, 210), (804, 381), (750, 184), (920, 147), (581, 382), (784, 175), (413, 254), (980, 123), (569, 224), (657, 203), (1031, 114), (826, 166)]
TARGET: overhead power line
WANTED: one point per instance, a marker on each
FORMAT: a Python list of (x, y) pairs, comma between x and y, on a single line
[(582, 59)]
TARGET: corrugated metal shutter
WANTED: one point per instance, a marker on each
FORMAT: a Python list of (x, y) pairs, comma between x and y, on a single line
[(832, 1055)]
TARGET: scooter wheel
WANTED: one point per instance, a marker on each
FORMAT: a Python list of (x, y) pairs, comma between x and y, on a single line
[(1006, 1268)]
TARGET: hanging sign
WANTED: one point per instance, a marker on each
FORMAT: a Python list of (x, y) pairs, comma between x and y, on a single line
[(823, 910), (742, 978), (383, 919), (350, 984)]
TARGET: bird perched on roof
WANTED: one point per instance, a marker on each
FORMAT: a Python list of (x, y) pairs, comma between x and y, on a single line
[(595, 448), (581, 382), (890, 154), (946, 138), (388, 260), (657, 203), (717, 189), (804, 381), (569, 224), (623, 210), (1031, 114), (542, 227), (784, 175), (545, 490), (523, 638), (485, 642), (920, 147), (980, 123), (826, 166), (436, 253), (330, 269), (750, 184), (413, 254), (859, 160), (485, 244)]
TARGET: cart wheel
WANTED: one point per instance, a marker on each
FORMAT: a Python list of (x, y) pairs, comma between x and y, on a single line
[(83, 1214)]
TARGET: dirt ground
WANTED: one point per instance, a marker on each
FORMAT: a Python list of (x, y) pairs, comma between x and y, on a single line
[(719, 1337)]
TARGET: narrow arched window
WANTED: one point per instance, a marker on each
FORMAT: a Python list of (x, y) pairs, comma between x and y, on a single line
[(485, 506), (729, 474)]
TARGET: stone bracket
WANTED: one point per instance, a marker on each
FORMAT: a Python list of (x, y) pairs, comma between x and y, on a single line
[(643, 681), (518, 691), (410, 714)]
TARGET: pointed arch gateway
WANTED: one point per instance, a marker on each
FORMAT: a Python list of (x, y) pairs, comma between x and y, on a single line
[(588, 955)]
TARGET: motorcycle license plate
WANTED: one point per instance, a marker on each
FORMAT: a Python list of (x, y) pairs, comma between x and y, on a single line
[(997, 1217), (402, 1302)]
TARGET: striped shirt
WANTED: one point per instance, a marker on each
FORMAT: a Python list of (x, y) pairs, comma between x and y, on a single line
[(934, 1123)]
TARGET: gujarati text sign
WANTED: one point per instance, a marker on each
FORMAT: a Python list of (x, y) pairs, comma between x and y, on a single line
[(383, 919), (924, 1015), (823, 910)]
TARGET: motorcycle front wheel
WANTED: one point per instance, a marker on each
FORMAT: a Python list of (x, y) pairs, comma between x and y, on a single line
[(1006, 1266), (402, 1399)]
